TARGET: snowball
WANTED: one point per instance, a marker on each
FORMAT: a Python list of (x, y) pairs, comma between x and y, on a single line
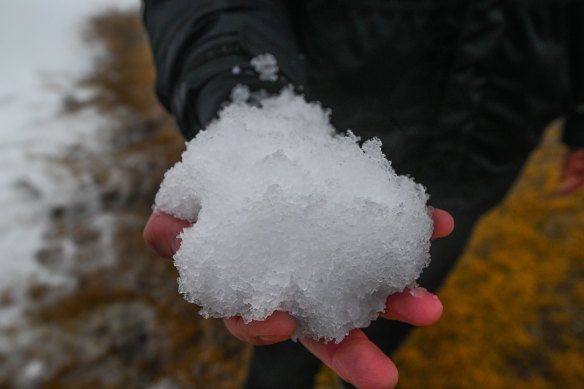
[(293, 217)]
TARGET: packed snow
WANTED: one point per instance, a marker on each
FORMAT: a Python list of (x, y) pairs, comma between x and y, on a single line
[(266, 66), (291, 216)]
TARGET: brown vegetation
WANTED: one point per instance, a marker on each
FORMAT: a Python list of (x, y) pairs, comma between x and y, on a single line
[(514, 312), (123, 324), (142, 330)]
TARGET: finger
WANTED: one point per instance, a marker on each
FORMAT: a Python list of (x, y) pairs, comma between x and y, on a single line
[(356, 360), (277, 327), (161, 233), (443, 223), (414, 306), (572, 173), (569, 184)]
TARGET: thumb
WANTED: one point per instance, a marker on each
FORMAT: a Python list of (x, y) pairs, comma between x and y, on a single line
[(161, 233)]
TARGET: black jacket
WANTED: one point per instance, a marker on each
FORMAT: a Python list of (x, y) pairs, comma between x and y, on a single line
[(458, 91)]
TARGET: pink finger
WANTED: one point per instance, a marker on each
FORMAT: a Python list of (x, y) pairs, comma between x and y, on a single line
[(356, 360), (275, 328), (161, 233), (443, 223), (415, 306), (569, 185)]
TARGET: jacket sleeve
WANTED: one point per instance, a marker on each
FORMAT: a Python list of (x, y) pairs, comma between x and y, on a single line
[(574, 126), (196, 45)]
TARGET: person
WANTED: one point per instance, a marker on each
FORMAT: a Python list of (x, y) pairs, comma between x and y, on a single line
[(459, 93)]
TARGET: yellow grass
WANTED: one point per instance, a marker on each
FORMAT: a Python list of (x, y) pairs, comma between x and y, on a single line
[(514, 312)]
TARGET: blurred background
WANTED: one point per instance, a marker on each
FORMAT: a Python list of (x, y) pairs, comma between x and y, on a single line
[(84, 304)]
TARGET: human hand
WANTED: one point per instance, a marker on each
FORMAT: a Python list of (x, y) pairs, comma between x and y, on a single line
[(572, 173), (355, 359)]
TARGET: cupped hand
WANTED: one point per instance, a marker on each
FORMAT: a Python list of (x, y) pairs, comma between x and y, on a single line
[(355, 359)]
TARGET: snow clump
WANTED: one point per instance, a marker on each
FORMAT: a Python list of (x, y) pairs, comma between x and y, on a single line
[(266, 66), (291, 216)]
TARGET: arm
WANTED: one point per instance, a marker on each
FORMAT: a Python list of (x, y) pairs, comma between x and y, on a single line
[(196, 44)]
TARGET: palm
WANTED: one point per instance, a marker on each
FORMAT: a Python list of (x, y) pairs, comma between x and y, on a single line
[(356, 359)]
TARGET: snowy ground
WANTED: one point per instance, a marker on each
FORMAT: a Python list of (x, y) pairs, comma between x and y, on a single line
[(44, 55), (83, 302)]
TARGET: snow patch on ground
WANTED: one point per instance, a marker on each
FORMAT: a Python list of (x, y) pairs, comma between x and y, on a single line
[(47, 56)]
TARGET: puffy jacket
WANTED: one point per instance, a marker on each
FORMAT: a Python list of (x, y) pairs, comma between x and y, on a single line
[(458, 91)]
